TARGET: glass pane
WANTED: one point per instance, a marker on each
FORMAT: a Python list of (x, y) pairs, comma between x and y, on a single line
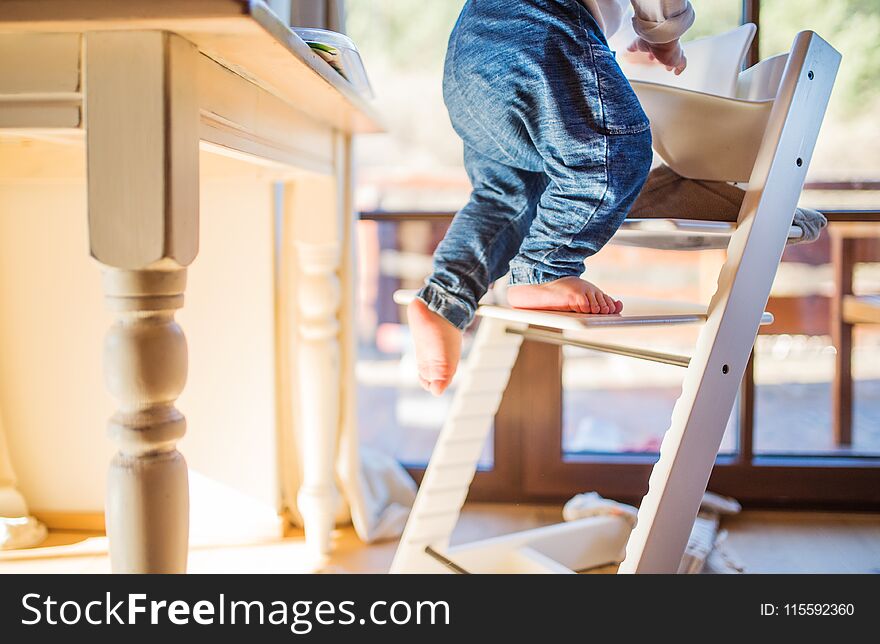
[(417, 164), (848, 148), (614, 404), (714, 17), (795, 366)]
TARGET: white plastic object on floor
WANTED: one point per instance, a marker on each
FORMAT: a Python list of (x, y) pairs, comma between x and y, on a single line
[(687, 453), (21, 532)]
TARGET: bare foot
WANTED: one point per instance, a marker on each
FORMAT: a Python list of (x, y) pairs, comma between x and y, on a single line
[(565, 294), (438, 346)]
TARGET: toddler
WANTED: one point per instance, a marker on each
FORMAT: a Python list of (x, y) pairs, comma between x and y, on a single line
[(556, 147)]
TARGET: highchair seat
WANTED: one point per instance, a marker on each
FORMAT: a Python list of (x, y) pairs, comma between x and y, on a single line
[(676, 213)]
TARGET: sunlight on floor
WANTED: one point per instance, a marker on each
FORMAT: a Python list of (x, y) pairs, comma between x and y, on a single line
[(764, 541)]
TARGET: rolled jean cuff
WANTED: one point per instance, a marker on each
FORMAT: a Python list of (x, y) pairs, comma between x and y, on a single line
[(450, 307), (528, 273)]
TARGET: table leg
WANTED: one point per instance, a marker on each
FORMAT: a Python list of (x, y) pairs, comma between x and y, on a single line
[(145, 364), (317, 365), (313, 236), (142, 143)]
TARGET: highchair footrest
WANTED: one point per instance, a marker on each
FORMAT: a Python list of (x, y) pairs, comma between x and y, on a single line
[(636, 312)]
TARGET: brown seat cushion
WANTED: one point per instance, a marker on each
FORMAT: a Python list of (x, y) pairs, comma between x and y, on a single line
[(668, 195)]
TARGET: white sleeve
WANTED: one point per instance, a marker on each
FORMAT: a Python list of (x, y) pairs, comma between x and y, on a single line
[(662, 21)]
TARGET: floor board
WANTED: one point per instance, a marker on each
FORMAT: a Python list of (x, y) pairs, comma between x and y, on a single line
[(764, 542)]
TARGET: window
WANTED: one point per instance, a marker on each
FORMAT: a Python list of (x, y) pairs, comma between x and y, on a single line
[(611, 404), (601, 417), (797, 362)]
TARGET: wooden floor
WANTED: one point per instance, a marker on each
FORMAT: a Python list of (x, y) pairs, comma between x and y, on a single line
[(764, 542)]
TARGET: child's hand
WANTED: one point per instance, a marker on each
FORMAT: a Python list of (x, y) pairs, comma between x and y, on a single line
[(669, 54)]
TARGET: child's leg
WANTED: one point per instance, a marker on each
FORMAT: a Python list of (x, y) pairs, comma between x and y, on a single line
[(596, 149), (484, 236), (580, 211), (534, 81), (476, 250)]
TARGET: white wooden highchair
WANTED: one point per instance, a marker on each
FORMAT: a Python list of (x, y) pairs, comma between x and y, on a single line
[(711, 123)]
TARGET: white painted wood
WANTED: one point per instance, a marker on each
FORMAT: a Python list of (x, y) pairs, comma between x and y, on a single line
[(364, 508), (142, 163), (249, 88), (313, 235), (637, 311), (561, 548), (246, 37), (237, 111), (145, 363), (40, 80), (680, 234), (699, 418), (46, 113), (454, 460), (35, 64), (230, 382), (141, 148), (240, 115)]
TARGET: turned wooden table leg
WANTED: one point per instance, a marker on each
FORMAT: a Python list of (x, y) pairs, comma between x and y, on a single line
[(145, 363), (313, 233), (142, 143), (317, 365)]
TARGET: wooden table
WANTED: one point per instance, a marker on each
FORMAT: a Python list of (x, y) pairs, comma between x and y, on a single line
[(143, 85)]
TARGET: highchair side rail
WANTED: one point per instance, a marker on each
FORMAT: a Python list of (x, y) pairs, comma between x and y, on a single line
[(552, 337), (688, 450)]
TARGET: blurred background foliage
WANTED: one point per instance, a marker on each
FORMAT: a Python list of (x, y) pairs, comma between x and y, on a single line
[(852, 26)]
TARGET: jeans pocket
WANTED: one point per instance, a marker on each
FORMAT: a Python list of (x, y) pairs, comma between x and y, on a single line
[(621, 111)]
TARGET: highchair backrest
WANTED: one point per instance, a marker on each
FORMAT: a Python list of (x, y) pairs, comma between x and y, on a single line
[(714, 63), (708, 123)]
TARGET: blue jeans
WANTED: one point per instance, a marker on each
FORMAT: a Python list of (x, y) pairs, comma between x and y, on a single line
[(556, 147)]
